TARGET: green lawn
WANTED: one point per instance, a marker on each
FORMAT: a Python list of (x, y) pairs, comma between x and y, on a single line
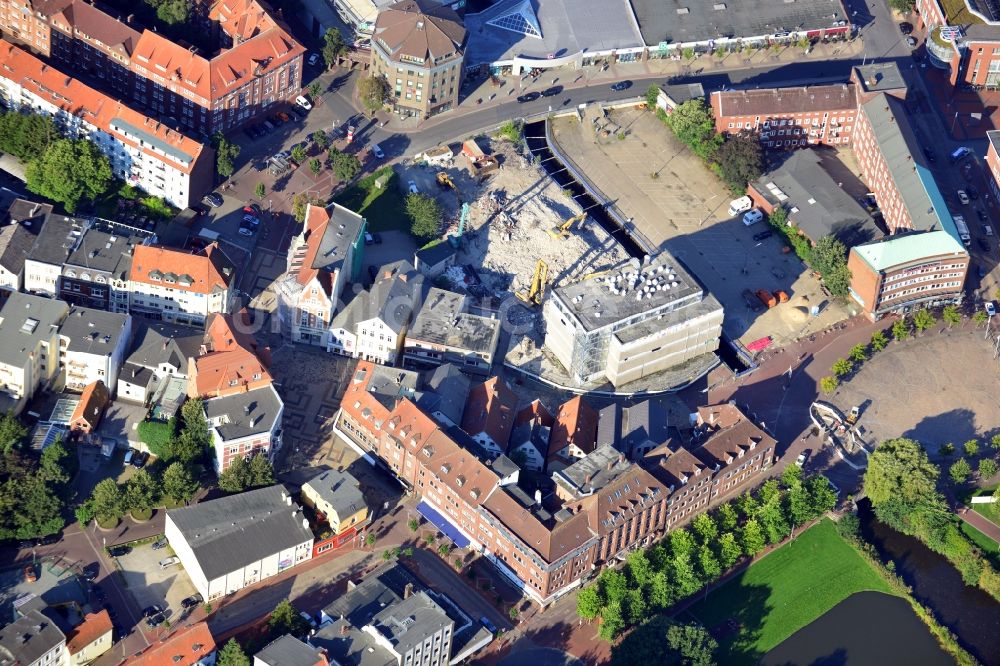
[(784, 592), (989, 511), (990, 548), (383, 208)]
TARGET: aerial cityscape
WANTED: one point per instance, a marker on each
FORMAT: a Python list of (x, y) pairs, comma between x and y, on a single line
[(499, 332)]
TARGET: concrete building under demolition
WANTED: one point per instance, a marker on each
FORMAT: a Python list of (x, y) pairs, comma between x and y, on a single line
[(632, 321)]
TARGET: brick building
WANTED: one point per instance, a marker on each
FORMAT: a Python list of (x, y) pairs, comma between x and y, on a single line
[(993, 162), (604, 504), (258, 65)]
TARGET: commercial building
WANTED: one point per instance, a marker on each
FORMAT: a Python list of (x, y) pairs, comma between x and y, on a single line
[(180, 286), (32, 640), (337, 499), (244, 424), (29, 346), (993, 162), (639, 319), (444, 332), (230, 360), (189, 645), (257, 64), (326, 255), (92, 346), (418, 48), (234, 542), (289, 651), (143, 151)]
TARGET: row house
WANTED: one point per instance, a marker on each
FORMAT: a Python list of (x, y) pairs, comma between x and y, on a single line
[(604, 506), (258, 65), (159, 361), (180, 286), (245, 424), (40, 636), (326, 254), (230, 360), (445, 332), (92, 346), (489, 414), (19, 226), (142, 150)]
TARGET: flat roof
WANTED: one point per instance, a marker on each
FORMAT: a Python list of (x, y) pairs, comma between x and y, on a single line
[(441, 321), (540, 28), (685, 21), (906, 248), (629, 289), (880, 76), (92, 331)]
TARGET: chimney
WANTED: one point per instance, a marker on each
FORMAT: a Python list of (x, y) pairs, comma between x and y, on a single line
[(305, 523), (344, 629), (587, 478), (538, 496), (408, 591), (130, 18)]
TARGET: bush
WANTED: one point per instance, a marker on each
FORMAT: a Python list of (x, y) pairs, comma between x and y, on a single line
[(157, 435), (512, 132)]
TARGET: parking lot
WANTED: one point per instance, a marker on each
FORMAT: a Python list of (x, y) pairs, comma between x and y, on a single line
[(150, 585), (55, 584), (681, 207)]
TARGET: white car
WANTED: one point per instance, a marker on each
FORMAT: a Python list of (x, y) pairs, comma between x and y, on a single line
[(313, 60), (303, 102), (991, 308), (377, 152), (801, 460), (963, 197), (412, 187), (752, 217), (169, 561)]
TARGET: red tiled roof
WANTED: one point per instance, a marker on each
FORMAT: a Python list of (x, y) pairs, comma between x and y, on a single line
[(785, 101), (241, 19), (208, 270), (182, 68), (490, 409), (92, 106), (184, 647), (94, 626), (317, 218), (575, 423), (230, 361), (93, 400), (359, 403), (551, 544), (257, 56)]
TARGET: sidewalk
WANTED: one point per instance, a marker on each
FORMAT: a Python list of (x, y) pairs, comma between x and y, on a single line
[(985, 526)]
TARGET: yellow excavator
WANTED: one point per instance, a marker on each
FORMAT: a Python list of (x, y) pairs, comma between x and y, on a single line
[(444, 181), (536, 290), (563, 230)]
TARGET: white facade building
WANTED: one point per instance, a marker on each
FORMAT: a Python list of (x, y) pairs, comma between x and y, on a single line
[(29, 346), (179, 286), (92, 346), (244, 424)]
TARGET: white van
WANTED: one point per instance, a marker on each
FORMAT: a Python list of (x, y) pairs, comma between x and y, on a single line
[(741, 205), (752, 217)]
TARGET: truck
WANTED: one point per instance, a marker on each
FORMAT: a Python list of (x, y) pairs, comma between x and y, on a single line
[(767, 298), (963, 230), (741, 205)]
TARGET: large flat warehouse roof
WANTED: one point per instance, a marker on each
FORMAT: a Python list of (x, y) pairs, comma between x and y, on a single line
[(699, 20)]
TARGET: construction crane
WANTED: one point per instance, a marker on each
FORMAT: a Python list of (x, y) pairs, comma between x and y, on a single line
[(456, 239), (563, 230), (536, 290)]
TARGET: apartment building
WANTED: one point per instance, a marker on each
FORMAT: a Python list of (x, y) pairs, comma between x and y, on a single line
[(258, 63), (604, 504), (529, 440), (444, 332), (19, 229), (336, 497), (490, 409), (180, 286), (639, 319), (418, 48), (92, 346), (29, 346), (189, 645), (244, 424), (90, 639), (374, 323), (326, 255), (234, 542), (32, 639), (159, 357), (142, 150), (573, 434), (993, 162), (287, 650), (230, 359)]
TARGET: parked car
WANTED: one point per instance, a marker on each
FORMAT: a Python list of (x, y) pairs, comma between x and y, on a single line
[(963, 197), (150, 611), (155, 620), (314, 59), (377, 237), (763, 235), (129, 455), (377, 151), (489, 625), (90, 573), (621, 85), (303, 102), (959, 153), (251, 219), (245, 231), (990, 307), (911, 41), (167, 562), (267, 126), (412, 186), (253, 209), (213, 199), (552, 91), (752, 217), (192, 601), (528, 97), (981, 214), (298, 111), (930, 155), (139, 459), (801, 460), (369, 239), (29, 574), (905, 28), (120, 551), (283, 116), (157, 545)]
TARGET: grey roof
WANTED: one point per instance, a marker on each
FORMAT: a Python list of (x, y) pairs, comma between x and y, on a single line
[(504, 466), (156, 342), (244, 414), (609, 423), (93, 331), (27, 639), (388, 384), (407, 623), (684, 21), (55, 239), (340, 490), (880, 76), (643, 422), (594, 471), (24, 320), (435, 254), (341, 233), (228, 533), (994, 138), (566, 28), (452, 387), (16, 240), (814, 200), (907, 167), (21, 210), (384, 586), (392, 299), (682, 92), (152, 140), (441, 321), (106, 247), (289, 651), (347, 645)]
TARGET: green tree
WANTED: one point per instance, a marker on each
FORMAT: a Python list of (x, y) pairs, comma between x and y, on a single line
[(260, 191), (951, 315), (172, 12), (829, 258), (320, 139), (694, 124), (315, 166), (772, 519), (298, 154), (778, 217), (828, 384), (236, 477), (923, 319), (178, 484), (706, 529), (373, 91), (971, 448), (614, 586), (107, 500), (726, 517), (980, 318), (946, 449), (589, 603), (12, 433), (370, 539), (640, 571), (708, 565), (513, 613), (994, 442), (652, 94), (879, 341), (859, 353), (52, 463), (141, 492), (841, 367), (333, 46), (901, 329), (659, 640), (902, 6), (729, 550), (681, 543), (261, 472), (798, 507), (693, 644), (747, 505), (960, 471), (791, 476), (661, 592), (612, 623), (69, 171), (225, 152), (512, 132), (987, 469), (414, 524), (37, 510), (635, 606), (26, 136), (425, 216), (899, 470), (752, 538), (684, 576), (286, 620), (345, 166), (232, 654), (741, 161), (194, 436), (822, 496), (315, 89)]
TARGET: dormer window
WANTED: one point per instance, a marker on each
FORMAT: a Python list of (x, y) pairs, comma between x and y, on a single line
[(256, 375), (445, 468)]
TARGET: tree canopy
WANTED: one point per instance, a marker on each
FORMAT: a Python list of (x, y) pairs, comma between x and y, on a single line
[(829, 258), (333, 46), (26, 135), (69, 171), (425, 216), (345, 166), (373, 91), (225, 152), (660, 640), (741, 160), (244, 474), (693, 123)]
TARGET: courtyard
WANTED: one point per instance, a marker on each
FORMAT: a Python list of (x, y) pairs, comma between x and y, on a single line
[(149, 584)]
